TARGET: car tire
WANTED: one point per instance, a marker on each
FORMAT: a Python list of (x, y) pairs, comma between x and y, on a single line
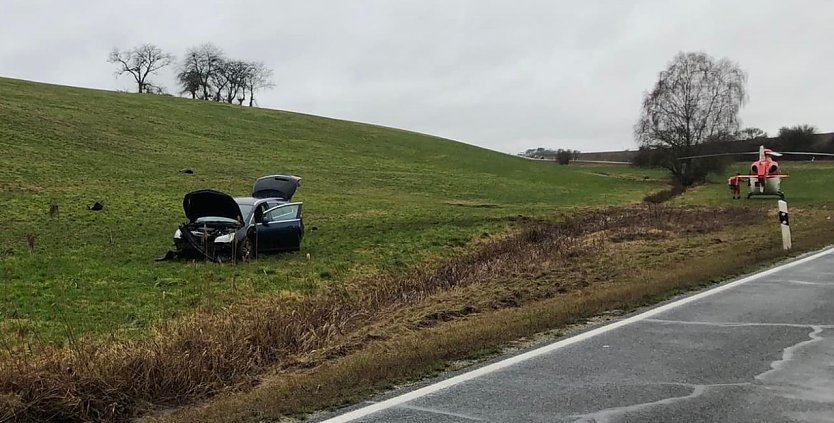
[(246, 251)]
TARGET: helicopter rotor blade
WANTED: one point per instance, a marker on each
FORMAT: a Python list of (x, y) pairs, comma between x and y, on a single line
[(718, 155), (805, 153), (772, 153)]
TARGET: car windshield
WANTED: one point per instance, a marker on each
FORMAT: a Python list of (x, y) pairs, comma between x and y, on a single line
[(245, 209)]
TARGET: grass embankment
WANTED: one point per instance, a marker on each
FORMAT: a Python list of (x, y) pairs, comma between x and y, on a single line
[(376, 200)]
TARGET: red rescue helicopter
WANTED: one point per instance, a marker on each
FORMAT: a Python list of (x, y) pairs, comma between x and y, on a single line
[(764, 177)]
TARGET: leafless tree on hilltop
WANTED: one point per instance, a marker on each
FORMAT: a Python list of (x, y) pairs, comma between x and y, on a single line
[(140, 62)]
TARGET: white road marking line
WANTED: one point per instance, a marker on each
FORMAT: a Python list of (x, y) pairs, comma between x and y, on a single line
[(481, 371)]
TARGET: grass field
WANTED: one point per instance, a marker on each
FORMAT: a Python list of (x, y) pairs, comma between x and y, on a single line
[(376, 200), (808, 185)]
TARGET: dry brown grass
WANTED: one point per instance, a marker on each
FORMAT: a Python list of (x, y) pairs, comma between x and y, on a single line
[(210, 353)]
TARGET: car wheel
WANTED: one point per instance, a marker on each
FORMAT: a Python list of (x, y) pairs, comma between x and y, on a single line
[(247, 249)]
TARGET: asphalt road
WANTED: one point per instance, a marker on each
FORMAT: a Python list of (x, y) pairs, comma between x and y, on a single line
[(759, 349)]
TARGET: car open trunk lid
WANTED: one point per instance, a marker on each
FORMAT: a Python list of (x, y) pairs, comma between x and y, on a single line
[(210, 203), (280, 186)]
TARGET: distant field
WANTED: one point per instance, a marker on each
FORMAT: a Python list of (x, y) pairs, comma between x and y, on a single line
[(376, 199), (808, 185)]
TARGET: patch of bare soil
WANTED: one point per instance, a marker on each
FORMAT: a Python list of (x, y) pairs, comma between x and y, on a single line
[(473, 204), (665, 195)]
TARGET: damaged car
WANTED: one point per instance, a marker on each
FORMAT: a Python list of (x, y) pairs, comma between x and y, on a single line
[(223, 228)]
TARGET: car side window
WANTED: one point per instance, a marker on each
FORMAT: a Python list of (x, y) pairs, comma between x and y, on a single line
[(259, 211), (288, 212)]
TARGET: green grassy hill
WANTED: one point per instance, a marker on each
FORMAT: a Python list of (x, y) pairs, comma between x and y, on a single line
[(376, 199)]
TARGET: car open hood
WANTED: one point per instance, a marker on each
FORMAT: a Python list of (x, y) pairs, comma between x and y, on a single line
[(207, 203), (276, 186)]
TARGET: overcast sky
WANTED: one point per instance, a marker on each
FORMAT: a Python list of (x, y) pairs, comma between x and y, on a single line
[(506, 75)]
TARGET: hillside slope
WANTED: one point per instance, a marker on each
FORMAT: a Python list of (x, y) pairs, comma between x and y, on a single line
[(376, 199)]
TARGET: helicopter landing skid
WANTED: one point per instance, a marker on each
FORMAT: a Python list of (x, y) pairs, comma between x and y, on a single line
[(780, 194)]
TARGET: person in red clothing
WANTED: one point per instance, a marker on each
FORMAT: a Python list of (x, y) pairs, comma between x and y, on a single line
[(735, 185)]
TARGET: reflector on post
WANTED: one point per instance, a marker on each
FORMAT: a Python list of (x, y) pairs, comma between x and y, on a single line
[(785, 224)]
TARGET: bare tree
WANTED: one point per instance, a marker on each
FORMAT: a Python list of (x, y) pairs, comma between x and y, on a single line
[(140, 62), (220, 79), (200, 66), (258, 77), (189, 81), (237, 72), (230, 80), (206, 73), (695, 99)]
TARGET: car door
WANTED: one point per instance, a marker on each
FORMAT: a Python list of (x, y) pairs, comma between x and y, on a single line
[(281, 228)]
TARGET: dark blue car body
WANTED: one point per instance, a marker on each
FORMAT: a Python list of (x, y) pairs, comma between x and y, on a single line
[(223, 228)]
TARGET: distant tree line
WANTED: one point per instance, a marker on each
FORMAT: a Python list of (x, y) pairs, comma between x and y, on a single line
[(537, 153), (790, 138), (205, 73), (563, 156), (797, 137), (750, 134)]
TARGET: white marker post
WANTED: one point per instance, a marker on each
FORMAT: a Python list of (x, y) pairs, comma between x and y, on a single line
[(785, 223)]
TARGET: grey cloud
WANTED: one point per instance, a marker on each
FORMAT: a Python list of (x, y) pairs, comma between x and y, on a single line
[(503, 75)]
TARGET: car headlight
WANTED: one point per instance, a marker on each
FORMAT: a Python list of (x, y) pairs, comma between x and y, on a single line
[(225, 239)]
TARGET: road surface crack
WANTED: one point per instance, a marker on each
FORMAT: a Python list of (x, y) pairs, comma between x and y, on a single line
[(805, 372), (739, 324), (608, 414), (436, 411)]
